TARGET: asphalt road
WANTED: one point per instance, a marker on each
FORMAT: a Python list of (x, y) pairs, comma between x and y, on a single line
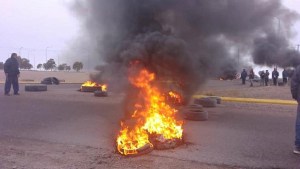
[(236, 134)]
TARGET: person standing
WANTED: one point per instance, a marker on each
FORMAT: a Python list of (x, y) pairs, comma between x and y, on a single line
[(275, 75), (244, 76), (267, 77), (262, 77), (284, 76), (295, 90), (251, 77), (12, 73)]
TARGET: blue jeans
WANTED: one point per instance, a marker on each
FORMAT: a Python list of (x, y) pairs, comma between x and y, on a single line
[(11, 80), (297, 139)]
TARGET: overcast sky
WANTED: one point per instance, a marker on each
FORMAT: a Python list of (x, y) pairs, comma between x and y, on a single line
[(31, 27), (35, 28)]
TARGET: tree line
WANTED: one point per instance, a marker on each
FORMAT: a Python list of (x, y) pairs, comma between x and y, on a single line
[(49, 65)]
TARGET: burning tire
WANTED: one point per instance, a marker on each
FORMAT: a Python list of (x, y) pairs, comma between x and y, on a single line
[(35, 88), (90, 86), (148, 148), (99, 93), (160, 143), (90, 89), (206, 102)]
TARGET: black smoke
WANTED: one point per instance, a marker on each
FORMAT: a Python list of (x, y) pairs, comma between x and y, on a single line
[(185, 40), (274, 50)]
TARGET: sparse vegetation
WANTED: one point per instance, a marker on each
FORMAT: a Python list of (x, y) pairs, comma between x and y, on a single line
[(78, 66), (62, 67), (39, 66), (50, 65)]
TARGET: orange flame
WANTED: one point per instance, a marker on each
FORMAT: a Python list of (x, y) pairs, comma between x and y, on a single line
[(104, 87), (127, 141), (90, 83), (175, 96), (152, 112)]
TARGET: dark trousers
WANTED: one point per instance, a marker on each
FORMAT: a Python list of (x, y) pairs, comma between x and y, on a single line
[(285, 80), (11, 80), (243, 80), (275, 81), (297, 139), (266, 81)]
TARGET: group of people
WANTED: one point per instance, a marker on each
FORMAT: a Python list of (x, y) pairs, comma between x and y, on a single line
[(264, 77), (244, 75), (295, 90)]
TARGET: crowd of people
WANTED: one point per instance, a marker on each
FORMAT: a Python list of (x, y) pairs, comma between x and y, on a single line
[(264, 77)]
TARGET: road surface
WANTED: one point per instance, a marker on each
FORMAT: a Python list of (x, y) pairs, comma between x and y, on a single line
[(64, 128)]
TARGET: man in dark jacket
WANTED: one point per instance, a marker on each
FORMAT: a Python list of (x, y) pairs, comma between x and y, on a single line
[(267, 77), (243, 76), (275, 75), (284, 76), (262, 77), (295, 90), (12, 73)]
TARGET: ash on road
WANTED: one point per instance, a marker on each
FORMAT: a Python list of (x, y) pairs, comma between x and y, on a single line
[(64, 128)]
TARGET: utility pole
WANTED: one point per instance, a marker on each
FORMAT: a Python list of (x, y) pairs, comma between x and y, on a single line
[(20, 50), (57, 60), (238, 56), (279, 25), (88, 66), (46, 53)]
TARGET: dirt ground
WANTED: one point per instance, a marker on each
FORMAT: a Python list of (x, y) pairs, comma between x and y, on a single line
[(34, 140), (29, 154), (234, 88)]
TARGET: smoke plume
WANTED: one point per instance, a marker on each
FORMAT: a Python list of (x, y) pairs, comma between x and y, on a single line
[(186, 40), (274, 50)]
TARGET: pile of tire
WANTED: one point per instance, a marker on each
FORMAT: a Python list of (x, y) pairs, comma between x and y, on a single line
[(207, 102), (90, 88), (195, 112), (35, 88), (50, 81), (218, 99)]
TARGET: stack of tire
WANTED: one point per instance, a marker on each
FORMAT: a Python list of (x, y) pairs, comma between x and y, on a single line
[(195, 112), (209, 101)]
